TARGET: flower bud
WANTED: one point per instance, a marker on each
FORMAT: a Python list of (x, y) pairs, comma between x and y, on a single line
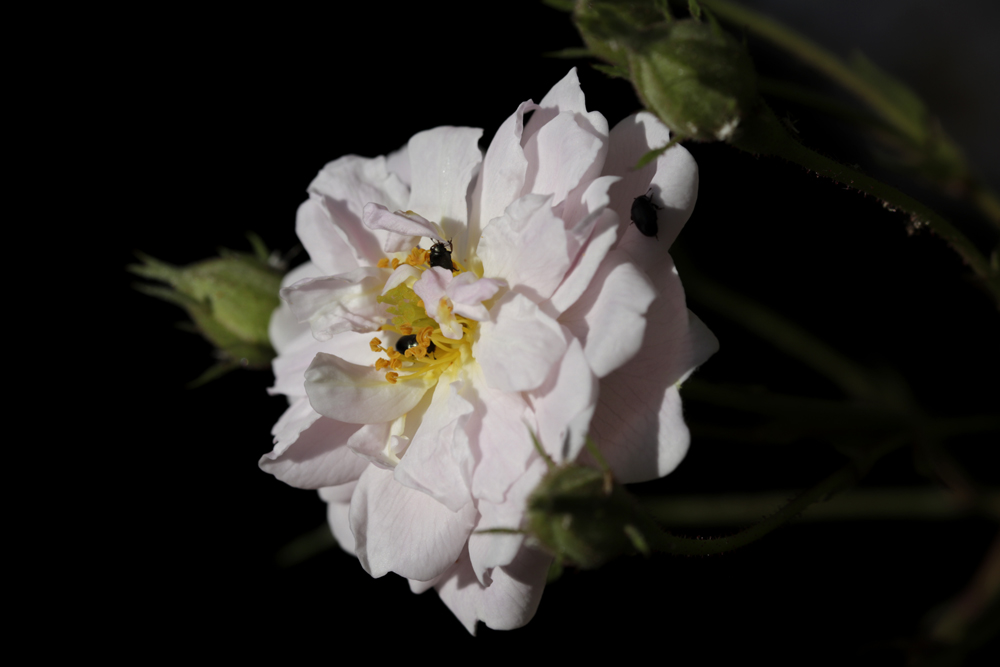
[(230, 300), (580, 516), (695, 76)]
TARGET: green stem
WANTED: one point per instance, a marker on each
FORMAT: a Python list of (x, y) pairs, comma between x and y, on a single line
[(863, 504), (762, 133), (664, 542)]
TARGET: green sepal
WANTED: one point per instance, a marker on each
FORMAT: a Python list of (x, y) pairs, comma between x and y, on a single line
[(229, 299)]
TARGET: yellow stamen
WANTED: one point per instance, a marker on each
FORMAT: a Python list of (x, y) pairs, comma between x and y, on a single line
[(383, 263), (405, 329), (391, 377), (375, 344), (424, 336), (395, 263)]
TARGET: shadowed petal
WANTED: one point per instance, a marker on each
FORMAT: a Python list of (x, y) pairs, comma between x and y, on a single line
[(528, 247), (443, 162), (609, 318), (318, 457), (519, 346), (439, 460), (673, 176), (638, 423), (397, 529), (338, 508), (357, 394), (509, 602)]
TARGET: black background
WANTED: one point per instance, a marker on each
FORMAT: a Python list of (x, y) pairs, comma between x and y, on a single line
[(206, 126)]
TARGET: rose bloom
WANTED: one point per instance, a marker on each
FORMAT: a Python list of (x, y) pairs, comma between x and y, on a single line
[(415, 386)]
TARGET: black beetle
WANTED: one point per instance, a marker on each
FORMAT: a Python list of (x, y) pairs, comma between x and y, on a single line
[(644, 215), (441, 256), (406, 342)]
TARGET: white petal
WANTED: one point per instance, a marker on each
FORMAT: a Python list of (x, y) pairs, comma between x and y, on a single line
[(298, 417), (638, 423), (398, 162), (404, 531), (335, 304), (490, 550), (439, 459), (468, 293), (284, 330), (318, 457), (517, 349), (338, 508), (443, 162), (673, 176), (561, 154), (405, 230), (527, 246), (509, 602), (609, 318), (565, 403), (564, 96), (358, 394), (343, 188), (502, 175), (501, 424), (603, 237)]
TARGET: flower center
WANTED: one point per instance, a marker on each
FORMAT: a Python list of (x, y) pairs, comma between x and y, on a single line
[(422, 350)]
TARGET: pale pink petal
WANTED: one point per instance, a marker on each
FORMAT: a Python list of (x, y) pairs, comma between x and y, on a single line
[(490, 550), (565, 152), (443, 162), (398, 162), (373, 443), (406, 230), (638, 423), (338, 508), (318, 457), (609, 318), (565, 403), (501, 424), (603, 236), (327, 247), (284, 330), (358, 394), (502, 175), (439, 460), (467, 294), (397, 529), (432, 289), (527, 246), (290, 369), (565, 96), (509, 602), (403, 273), (298, 417), (673, 177), (517, 349), (344, 187), (335, 304)]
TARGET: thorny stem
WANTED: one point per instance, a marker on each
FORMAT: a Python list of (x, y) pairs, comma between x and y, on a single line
[(911, 129), (762, 133)]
